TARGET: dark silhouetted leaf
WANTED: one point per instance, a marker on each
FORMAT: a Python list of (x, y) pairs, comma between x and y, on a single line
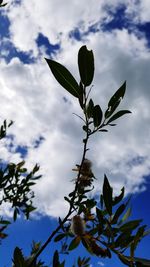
[(117, 95), (59, 237), (64, 77), (118, 212), (90, 109), (124, 240), (126, 216), (74, 243), (18, 258), (141, 262), (107, 195), (56, 259), (86, 65), (137, 238), (97, 115), (130, 225), (117, 199), (118, 115)]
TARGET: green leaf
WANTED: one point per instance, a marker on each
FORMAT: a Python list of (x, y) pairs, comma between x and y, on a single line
[(97, 115), (64, 77), (118, 115), (124, 240), (126, 216), (137, 238), (5, 222), (142, 262), (126, 260), (18, 258), (86, 65), (117, 214), (130, 225), (107, 195), (90, 109), (56, 259), (74, 243), (59, 237), (117, 199), (117, 95), (100, 215)]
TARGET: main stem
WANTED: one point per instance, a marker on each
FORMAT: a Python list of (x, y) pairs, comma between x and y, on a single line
[(71, 210)]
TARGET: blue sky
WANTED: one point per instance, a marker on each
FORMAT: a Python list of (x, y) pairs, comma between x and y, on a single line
[(46, 132)]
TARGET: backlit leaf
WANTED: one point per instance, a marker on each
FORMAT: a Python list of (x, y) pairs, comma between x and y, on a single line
[(118, 212), (117, 199), (97, 115), (74, 243), (64, 77), (130, 225), (118, 94), (86, 65), (118, 115), (107, 195)]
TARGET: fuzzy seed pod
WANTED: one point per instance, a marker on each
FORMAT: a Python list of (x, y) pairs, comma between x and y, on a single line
[(86, 174), (77, 225)]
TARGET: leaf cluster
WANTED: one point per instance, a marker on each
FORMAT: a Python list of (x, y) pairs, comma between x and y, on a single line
[(16, 184)]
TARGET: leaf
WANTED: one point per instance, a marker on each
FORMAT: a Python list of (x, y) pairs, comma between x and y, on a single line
[(118, 115), (18, 258), (117, 95), (100, 215), (137, 238), (126, 216), (64, 77), (130, 226), (124, 240), (117, 199), (125, 260), (86, 65), (74, 243), (97, 115), (5, 222), (56, 259), (142, 262), (90, 109), (118, 212), (107, 195), (59, 237)]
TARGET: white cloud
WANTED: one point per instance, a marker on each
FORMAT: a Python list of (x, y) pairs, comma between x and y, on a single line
[(33, 99)]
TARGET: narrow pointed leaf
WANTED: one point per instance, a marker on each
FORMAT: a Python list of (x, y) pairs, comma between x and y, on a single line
[(90, 109), (118, 94), (130, 225), (64, 77), (18, 258), (59, 237), (137, 238), (56, 259), (118, 212), (107, 195), (74, 243), (117, 199), (86, 65), (118, 115), (126, 216)]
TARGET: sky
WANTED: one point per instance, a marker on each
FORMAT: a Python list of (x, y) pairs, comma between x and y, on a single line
[(45, 130)]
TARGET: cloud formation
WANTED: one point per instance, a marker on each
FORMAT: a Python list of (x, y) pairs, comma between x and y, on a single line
[(42, 109)]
